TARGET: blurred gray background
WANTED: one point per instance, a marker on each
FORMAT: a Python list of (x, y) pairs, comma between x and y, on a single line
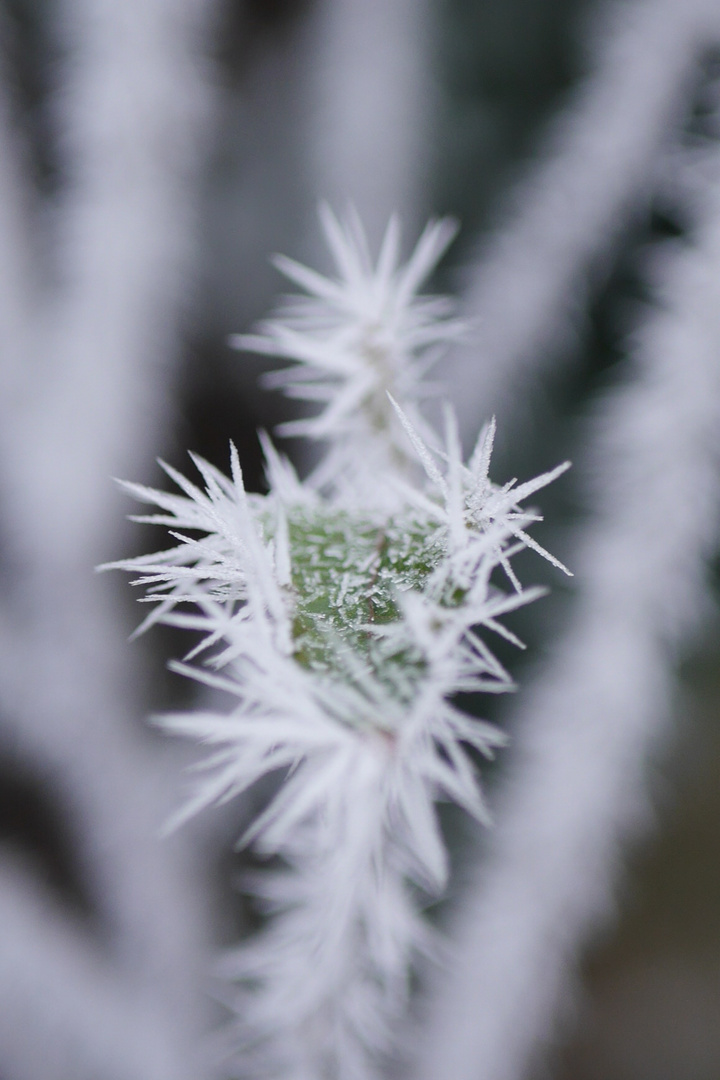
[(459, 107)]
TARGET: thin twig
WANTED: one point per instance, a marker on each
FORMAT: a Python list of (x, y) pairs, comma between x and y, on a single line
[(576, 788)]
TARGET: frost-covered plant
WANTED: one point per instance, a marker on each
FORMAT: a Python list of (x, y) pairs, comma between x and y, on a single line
[(342, 615), (356, 340)]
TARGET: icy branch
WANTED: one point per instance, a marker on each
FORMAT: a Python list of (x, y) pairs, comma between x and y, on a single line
[(88, 399), (582, 736), (525, 293), (16, 286), (371, 104), (65, 1009), (340, 619), (132, 148)]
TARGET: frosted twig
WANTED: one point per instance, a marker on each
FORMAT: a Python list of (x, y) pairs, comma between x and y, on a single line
[(77, 725), (370, 106), (16, 295), (526, 289), (65, 1009), (340, 624), (576, 786), (131, 110)]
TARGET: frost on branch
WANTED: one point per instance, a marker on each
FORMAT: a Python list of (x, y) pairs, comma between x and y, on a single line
[(354, 340), (342, 618)]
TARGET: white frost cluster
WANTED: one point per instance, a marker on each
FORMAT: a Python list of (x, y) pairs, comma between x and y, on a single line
[(356, 339), (341, 630)]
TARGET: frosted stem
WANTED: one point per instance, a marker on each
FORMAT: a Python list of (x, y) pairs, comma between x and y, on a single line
[(526, 290), (582, 735)]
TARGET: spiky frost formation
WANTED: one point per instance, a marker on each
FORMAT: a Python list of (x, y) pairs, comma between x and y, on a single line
[(353, 340), (341, 632)]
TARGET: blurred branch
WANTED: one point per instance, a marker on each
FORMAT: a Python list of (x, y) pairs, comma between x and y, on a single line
[(131, 108), (371, 105), (78, 725), (15, 248), (132, 114), (64, 1011), (527, 287), (582, 736)]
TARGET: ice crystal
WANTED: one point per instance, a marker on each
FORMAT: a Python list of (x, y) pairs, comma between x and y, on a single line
[(356, 338), (342, 630)]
